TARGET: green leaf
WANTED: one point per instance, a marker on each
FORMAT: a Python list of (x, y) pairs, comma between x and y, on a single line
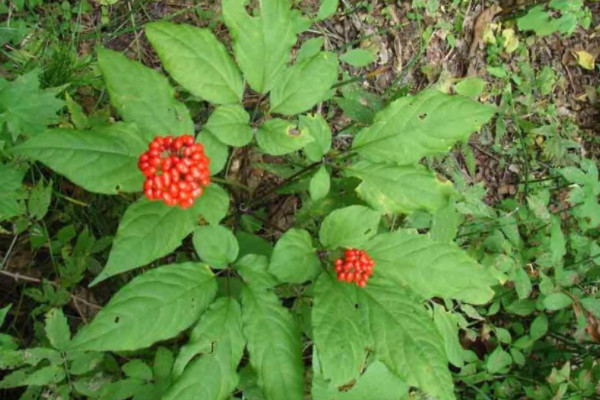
[(400, 189), (221, 328), (253, 244), (278, 137), (538, 327), (143, 96), (3, 313), (413, 127), (522, 283), (215, 150), (78, 117), (378, 382), (310, 48), (25, 108), (355, 110), (173, 295), (337, 330), (349, 227), (318, 128), (358, 57), (262, 43), (41, 377), (101, 160), (39, 200), (470, 87), (319, 184), (294, 259), (327, 9), (10, 183), (444, 226), (430, 268), (254, 269), (148, 230), (212, 204), (498, 360), (447, 327), (57, 329), (274, 345), (196, 59), (405, 338), (215, 245), (137, 369), (10, 359), (230, 125), (305, 84), (557, 301)]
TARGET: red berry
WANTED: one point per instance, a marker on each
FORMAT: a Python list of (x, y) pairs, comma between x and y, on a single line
[(176, 170), (356, 266)]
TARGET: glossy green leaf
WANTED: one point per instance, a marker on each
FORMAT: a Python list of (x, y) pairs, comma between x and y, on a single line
[(294, 258), (143, 96), (262, 43), (213, 204), (278, 137), (413, 127), (57, 329), (349, 227), (319, 184), (400, 189), (274, 345), (305, 84), (358, 57), (405, 338), (101, 160), (148, 230), (217, 151), (337, 330), (196, 59), (318, 128), (230, 125), (215, 245), (219, 334), (173, 295), (430, 268)]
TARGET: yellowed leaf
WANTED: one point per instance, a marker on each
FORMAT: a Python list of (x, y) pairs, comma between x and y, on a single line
[(511, 41), (585, 59)]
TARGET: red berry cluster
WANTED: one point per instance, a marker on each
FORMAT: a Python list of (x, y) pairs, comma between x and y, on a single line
[(356, 267), (176, 169)]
